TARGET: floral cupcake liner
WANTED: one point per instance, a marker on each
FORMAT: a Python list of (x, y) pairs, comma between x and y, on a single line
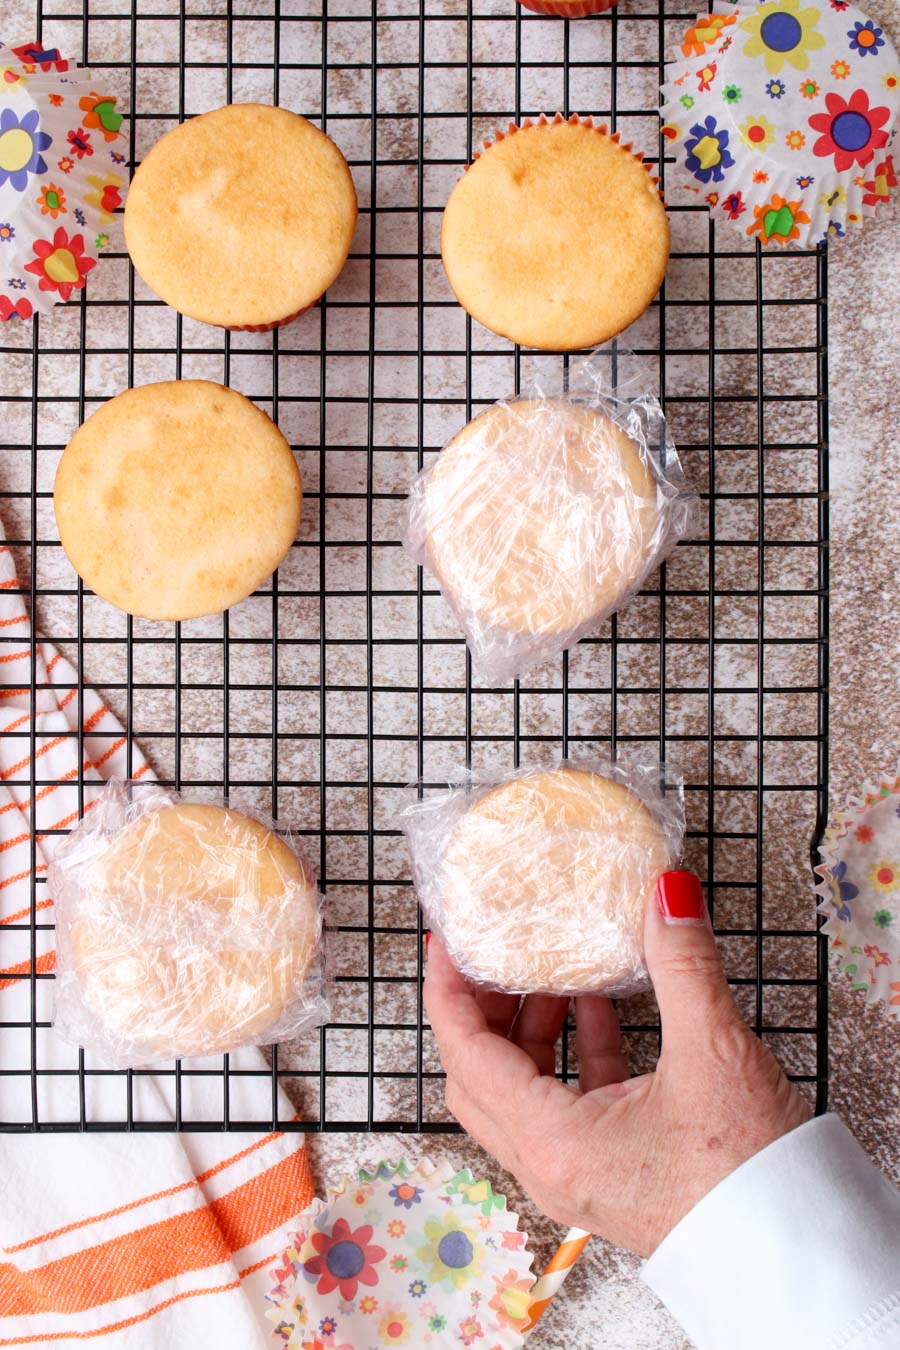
[(63, 170), (516, 128), (404, 1254), (860, 890), (782, 115)]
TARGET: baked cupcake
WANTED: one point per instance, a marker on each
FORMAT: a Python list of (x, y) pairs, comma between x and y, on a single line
[(539, 519), (188, 932), (556, 236), (241, 217), (540, 884), (176, 500)]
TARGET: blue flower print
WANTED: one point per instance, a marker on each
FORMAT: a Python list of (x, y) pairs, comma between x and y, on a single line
[(806, 181), (406, 1195), (418, 1288), (776, 89), (80, 216), (846, 891), (16, 284), (21, 143), (707, 153), (865, 38)]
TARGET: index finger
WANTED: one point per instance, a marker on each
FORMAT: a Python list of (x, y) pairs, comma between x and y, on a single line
[(485, 1065)]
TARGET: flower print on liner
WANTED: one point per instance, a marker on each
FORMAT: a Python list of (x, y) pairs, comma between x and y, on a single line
[(470, 1331), (878, 189), (851, 131), (60, 264), (732, 93), (52, 201), (406, 1195), (511, 1300), (451, 1251), (882, 918), (783, 32), (885, 877), (847, 891), (778, 220), (865, 38), (795, 140), (7, 232), (707, 150), (809, 89), (757, 132), (21, 146), (395, 1328), (345, 1258), (776, 89), (734, 205)]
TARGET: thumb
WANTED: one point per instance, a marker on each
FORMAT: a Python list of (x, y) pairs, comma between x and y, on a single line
[(684, 962)]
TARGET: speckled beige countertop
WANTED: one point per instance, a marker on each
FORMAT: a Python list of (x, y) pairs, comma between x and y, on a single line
[(605, 1305)]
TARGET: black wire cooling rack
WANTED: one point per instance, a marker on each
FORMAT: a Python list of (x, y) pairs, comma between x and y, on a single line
[(335, 686)]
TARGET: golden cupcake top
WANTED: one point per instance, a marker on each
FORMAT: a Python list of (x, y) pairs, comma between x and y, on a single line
[(176, 500), (241, 217), (556, 236)]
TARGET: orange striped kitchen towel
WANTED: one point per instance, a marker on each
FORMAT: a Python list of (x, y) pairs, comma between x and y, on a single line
[(157, 1240)]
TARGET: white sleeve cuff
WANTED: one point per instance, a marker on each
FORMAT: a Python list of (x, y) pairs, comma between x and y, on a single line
[(799, 1247)]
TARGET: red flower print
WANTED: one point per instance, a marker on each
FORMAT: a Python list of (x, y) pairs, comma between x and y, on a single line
[(876, 955), (851, 130), (60, 264), (80, 143), (20, 309), (895, 1001), (344, 1259), (878, 189), (863, 833)]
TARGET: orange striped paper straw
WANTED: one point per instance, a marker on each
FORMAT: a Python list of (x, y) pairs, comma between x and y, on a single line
[(558, 1267)]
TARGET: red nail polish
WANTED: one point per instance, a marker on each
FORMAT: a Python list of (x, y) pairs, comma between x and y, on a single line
[(427, 940), (679, 895)]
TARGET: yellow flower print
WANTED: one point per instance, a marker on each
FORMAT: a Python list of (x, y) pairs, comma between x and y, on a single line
[(885, 877), (840, 70), (757, 132), (795, 140), (451, 1251), (394, 1327), (835, 196), (781, 31)]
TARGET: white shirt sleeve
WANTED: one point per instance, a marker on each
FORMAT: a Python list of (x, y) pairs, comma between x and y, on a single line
[(799, 1248)]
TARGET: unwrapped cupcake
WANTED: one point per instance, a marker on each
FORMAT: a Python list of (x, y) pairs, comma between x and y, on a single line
[(543, 515), (782, 115)]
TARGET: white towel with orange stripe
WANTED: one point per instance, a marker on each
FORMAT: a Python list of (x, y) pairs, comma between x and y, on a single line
[(157, 1240)]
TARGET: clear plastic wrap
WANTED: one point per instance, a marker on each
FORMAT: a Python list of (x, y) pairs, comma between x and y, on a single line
[(544, 514), (182, 928), (538, 883)]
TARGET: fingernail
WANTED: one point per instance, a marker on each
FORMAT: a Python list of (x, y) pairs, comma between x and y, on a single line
[(680, 897), (427, 940)]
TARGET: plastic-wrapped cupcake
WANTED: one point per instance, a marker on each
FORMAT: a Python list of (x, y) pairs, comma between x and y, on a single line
[(782, 116), (542, 516), (556, 236), (62, 177)]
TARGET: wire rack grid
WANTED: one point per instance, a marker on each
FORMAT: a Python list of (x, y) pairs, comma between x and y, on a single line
[(324, 695)]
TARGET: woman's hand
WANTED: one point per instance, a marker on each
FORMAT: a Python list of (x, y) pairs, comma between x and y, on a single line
[(622, 1157)]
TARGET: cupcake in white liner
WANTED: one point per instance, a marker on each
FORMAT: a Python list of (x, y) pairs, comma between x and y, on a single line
[(404, 1253), (63, 172), (782, 116), (860, 890)]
